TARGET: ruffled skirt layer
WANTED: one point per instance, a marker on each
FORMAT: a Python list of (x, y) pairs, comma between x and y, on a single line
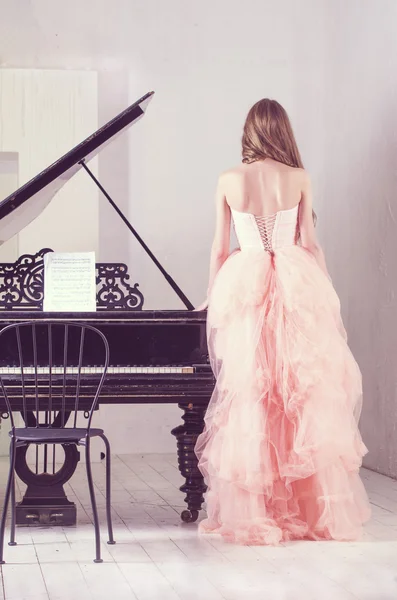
[(281, 449)]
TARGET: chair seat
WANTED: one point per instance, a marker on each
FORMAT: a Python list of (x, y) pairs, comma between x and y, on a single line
[(54, 435)]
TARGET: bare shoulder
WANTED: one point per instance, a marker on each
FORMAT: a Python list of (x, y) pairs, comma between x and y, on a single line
[(303, 174), (304, 178), (233, 174), (231, 177)]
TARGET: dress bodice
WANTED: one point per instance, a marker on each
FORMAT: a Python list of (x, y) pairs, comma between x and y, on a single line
[(269, 232)]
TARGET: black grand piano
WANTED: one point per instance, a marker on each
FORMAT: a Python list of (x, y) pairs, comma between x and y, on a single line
[(155, 356)]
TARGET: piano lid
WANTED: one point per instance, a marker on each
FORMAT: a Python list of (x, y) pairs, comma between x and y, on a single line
[(27, 202)]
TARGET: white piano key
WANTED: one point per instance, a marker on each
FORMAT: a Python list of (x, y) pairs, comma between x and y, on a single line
[(112, 370)]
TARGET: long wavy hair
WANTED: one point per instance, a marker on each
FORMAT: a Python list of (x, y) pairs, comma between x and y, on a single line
[(268, 133)]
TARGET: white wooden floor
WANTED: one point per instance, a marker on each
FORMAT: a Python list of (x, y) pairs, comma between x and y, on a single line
[(159, 558)]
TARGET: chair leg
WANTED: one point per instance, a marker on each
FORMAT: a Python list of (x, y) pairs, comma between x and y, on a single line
[(12, 541), (108, 490), (98, 558), (7, 499)]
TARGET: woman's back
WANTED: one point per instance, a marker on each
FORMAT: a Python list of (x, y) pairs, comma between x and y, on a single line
[(263, 187)]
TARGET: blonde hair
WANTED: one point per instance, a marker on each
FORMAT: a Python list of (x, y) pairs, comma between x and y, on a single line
[(268, 134)]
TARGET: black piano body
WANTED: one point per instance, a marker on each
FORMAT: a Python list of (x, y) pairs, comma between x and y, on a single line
[(156, 356)]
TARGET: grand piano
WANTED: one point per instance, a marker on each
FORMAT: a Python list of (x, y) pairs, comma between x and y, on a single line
[(155, 356)]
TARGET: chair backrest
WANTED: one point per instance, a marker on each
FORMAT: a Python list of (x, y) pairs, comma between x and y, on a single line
[(45, 371)]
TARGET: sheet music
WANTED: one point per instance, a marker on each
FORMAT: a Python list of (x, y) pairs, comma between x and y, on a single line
[(69, 282)]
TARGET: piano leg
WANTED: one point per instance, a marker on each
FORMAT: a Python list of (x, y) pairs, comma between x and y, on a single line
[(186, 435)]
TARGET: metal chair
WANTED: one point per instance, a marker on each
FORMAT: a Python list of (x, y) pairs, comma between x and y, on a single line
[(49, 396)]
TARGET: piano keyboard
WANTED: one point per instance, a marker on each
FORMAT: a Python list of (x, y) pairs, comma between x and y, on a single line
[(96, 370)]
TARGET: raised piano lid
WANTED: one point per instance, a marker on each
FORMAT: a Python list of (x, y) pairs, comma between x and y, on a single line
[(26, 203)]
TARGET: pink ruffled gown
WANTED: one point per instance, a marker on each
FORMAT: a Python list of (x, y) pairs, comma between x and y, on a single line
[(281, 449)]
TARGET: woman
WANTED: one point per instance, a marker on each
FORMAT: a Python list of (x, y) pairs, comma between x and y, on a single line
[(281, 449)]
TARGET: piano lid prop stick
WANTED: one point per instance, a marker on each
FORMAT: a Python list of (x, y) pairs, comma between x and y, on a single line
[(168, 277)]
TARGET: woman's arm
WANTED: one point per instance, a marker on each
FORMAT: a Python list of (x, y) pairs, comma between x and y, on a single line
[(221, 242), (307, 230)]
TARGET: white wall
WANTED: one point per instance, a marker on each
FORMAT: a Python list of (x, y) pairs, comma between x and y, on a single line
[(360, 220), (9, 179), (330, 62)]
